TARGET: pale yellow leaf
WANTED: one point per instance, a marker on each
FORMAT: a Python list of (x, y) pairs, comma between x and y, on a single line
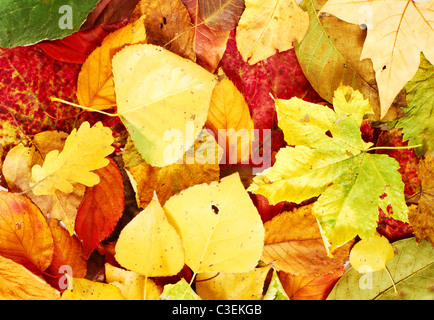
[(83, 289), (149, 245), (220, 227), (268, 27)]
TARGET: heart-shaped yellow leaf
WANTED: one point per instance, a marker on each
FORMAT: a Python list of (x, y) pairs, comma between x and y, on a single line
[(161, 95), (149, 245), (220, 227)]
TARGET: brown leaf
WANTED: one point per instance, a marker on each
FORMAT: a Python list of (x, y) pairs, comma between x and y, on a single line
[(101, 208), (18, 283), (167, 25), (309, 288), (25, 236), (293, 240)]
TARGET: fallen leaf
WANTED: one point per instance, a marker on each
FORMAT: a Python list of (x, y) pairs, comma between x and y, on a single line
[(179, 291), (398, 31), (85, 150), (229, 116), (149, 245), (18, 283), (232, 286), (267, 27), (168, 25), (309, 288), (330, 56), (275, 289), (83, 289), (411, 270), (337, 168), (172, 91), (132, 285), (165, 181), (293, 241), (26, 237), (422, 217), (371, 255), (101, 208), (420, 93), (95, 86), (219, 227)]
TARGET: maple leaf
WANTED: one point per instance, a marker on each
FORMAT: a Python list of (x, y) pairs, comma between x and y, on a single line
[(267, 27), (338, 168), (85, 150), (153, 86), (398, 31), (219, 227)]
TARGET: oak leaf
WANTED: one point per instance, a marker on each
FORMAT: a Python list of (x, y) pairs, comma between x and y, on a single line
[(267, 27), (159, 93), (85, 150), (18, 283), (348, 180), (219, 226), (398, 31), (95, 86), (149, 245), (294, 243)]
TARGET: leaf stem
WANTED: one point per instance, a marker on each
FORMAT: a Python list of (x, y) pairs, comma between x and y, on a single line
[(394, 148), (391, 279), (82, 107)]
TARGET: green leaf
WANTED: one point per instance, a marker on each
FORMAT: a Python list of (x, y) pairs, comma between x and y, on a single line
[(420, 97), (275, 289), (25, 22), (179, 291), (330, 160), (411, 268)]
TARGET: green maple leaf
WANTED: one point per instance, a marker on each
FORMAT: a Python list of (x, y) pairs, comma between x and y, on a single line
[(417, 127), (330, 160)]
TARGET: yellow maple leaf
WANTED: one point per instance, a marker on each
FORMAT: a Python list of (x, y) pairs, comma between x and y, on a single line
[(398, 30), (149, 245), (220, 228), (268, 27), (85, 150)]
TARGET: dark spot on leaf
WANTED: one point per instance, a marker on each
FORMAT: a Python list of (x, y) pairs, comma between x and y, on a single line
[(164, 20), (160, 25), (215, 209)]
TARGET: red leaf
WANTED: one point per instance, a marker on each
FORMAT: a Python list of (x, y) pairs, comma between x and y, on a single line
[(101, 208)]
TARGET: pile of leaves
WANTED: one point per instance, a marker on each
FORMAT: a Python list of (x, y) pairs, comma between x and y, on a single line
[(118, 182)]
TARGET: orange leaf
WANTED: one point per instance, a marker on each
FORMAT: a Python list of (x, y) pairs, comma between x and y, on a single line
[(309, 288), (68, 256), (95, 86), (101, 208), (25, 235), (293, 240), (229, 111), (18, 283)]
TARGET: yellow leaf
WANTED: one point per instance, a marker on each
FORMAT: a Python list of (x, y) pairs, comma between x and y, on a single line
[(85, 150), (149, 245), (268, 27), (18, 283), (220, 228), (371, 255), (398, 31), (229, 111), (83, 289), (158, 94), (95, 87), (133, 286), (232, 286)]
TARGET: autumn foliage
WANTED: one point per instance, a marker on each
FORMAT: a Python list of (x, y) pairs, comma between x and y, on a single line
[(236, 149)]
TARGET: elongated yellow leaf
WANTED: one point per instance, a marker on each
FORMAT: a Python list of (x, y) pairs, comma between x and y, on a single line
[(220, 227), (398, 30), (149, 245), (84, 289), (161, 96), (268, 27), (85, 150)]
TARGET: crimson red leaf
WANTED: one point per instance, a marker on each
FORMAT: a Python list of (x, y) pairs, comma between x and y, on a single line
[(101, 208)]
